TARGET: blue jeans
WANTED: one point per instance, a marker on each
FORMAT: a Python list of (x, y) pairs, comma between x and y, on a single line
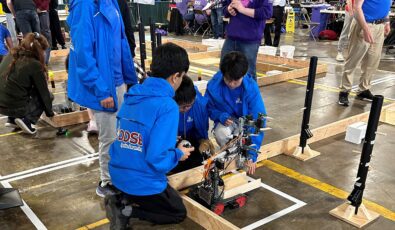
[(250, 50), (217, 22)]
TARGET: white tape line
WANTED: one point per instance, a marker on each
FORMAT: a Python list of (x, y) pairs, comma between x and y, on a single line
[(2, 178), (28, 211), (52, 169)]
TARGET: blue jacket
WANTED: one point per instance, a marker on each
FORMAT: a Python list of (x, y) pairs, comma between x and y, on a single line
[(147, 131), (91, 77), (196, 120), (219, 110)]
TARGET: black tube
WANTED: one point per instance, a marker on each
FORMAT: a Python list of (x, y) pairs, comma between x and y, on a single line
[(305, 130), (143, 52), (152, 32), (158, 39), (356, 195)]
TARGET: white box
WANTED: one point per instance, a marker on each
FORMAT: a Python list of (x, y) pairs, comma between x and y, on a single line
[(356, 132), (215, 43), (201, 85), (268, 50)]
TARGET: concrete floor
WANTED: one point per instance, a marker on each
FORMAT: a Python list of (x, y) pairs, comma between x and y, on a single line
[(66, 199)]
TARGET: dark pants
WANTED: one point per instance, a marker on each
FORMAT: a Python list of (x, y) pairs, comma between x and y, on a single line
[(56, 31), (278, 14), (250, 50), (32, 111), (163, 208), (27, 21), (45, 30)]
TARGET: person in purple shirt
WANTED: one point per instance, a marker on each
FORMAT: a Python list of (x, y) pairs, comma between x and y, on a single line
[(245, 30)]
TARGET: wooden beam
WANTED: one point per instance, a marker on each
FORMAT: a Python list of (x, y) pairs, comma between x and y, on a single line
[(66, 119), (60, 53), (204, 217)]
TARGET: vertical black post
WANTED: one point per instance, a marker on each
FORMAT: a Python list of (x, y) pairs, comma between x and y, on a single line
[(143, 52), (305, 129), (158, 39), (356, 195), (152, 32)]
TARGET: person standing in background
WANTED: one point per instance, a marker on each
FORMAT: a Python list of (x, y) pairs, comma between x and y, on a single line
[(43, 16), (217, 18), (245, 29), (25, 13), (343, 39), (54, 23), (367, 34), (10, 22), (278, 15), (126, 17)]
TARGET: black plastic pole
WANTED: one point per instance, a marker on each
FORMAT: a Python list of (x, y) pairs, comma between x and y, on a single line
[(357, 193), (143, 52), (158, 39), (152, 32), (305, 129)]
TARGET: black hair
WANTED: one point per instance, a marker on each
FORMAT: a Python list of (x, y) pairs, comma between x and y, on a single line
[(186, 93), (234, 65), (169, 59)]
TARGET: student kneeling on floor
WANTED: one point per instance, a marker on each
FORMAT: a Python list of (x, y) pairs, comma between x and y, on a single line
[(193, 124), (24, 93), (144, 151), (231, 94)]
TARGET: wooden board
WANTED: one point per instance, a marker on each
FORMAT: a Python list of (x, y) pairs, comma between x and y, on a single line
[(287, 145), (211, 61), (204, 217), (243, 187), (66, 119), (388, 116), (345, 212), (60, 53)]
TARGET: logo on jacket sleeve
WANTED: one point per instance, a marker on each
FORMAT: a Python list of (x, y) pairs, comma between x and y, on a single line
[(130, 140)]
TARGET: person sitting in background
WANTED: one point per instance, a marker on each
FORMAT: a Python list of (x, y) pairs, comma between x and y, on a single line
[(231, 94), (193, 124), (24, 93), (5, 41)]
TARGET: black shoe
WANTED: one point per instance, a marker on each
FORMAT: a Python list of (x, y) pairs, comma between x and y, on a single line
[(343, 98), (11, 123), (366, 94), (25, 125), (54, 48), (117, 213), (64, 47)]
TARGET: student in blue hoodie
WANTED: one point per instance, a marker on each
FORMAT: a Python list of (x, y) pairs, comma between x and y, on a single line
[(144, 151), (100, 66), (245, 29), (193, 123), (231, 94)]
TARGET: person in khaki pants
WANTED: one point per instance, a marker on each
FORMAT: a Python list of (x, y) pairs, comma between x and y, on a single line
[(366, 42)]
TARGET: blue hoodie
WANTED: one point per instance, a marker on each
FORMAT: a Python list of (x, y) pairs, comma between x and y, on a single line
[(219, 108), (247, 29), (147, 131), (196, 120), (91, 72)]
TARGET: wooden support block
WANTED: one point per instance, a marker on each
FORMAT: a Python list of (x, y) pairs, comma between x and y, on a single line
[(307, 154), (210, 61), (60, 53), (388, 116), (346, 212), (66, 119), (206, 218), (60, 75)]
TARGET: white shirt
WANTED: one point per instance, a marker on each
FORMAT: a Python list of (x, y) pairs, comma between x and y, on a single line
[(278, 2)]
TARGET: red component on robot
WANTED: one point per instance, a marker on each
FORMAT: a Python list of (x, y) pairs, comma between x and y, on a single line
[(241, 201), (218, 208)]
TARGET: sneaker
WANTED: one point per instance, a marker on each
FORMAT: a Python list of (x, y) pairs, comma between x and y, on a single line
[(343, 98), (11, 123), (117, 213), (339, 57), (64, 47), (105, 190), (92, 127), (54, 48), (366, 94), (25, 125)]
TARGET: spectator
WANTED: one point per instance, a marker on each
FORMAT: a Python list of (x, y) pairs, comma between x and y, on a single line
[(126, 17), (217, 18), (54, 23), (278, 15), (43, 16), (24, 93), (25, 13), (99, 70), (372, 21), (343, 39), (5, 42), (245, 29), (10, 22)]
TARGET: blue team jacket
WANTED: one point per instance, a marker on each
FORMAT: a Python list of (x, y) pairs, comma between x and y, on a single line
[(91, 76), (219, 110), (196, 119), (144, 150)]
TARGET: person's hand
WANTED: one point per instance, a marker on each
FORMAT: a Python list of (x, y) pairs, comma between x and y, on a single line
[(367, 35), (228, 122), (206, 147), (107, 103), (236, 4), (251, 167), (387, 29), (186, 151), (179, 138), (231, 10)]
